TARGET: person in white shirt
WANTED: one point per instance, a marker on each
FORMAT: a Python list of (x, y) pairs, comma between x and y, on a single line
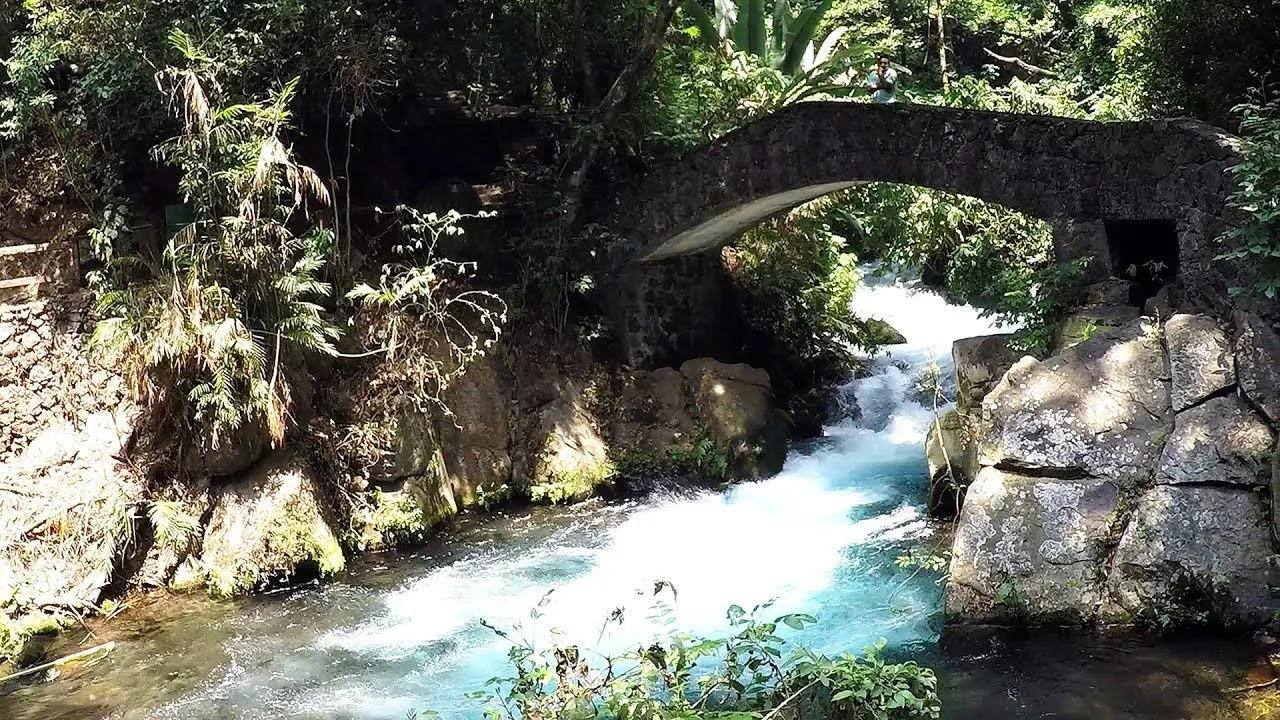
[(881, 81)]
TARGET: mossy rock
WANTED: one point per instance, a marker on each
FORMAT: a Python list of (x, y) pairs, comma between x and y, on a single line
[(269, 529)]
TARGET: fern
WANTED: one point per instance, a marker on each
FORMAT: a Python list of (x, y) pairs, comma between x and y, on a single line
[(174, 528)]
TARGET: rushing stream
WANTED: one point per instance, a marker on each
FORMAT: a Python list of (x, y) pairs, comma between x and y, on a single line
[(403, 632)]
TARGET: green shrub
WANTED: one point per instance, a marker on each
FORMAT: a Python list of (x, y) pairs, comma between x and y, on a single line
[(1256, 243), (746, 674)]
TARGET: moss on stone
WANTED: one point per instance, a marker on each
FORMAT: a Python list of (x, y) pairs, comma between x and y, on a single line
[(16, 634), (294, 544), (391, 520), (574, 485)]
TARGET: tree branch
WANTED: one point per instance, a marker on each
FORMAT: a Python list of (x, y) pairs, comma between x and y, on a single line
[(1020, 63)]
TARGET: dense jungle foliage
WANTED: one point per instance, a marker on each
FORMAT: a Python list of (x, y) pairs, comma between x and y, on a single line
[(287, 133), (257, 183)]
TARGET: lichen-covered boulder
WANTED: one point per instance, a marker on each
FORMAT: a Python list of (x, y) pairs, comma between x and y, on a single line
[(1257, 349), (734, 403), (1028, 548), (1200, 359), (1221, 441), (268, 528), (1191, 552), (980, 363), (1100, 408)]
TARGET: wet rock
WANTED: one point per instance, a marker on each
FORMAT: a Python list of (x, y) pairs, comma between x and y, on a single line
[(1219, 442), (269, 528), (1027, 549), (1100, 408), (1200, 359), (1257, 349), (1191, 552), (980, 363), (952, 454), (879, 332)]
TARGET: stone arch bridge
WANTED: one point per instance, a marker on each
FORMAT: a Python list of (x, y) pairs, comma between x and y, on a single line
[(1116, 192)]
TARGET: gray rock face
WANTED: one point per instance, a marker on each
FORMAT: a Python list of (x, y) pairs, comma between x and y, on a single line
[(1200, 360), (980, 363), (1219, 442), (1087, 322), (1101, 408), (1258, 362), (1192, 550), (735, 404), (266, 527), (1027, 547)]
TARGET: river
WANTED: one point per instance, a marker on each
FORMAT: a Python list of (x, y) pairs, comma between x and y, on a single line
[(402, 632)]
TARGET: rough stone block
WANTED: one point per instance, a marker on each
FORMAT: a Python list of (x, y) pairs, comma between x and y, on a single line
[(1200, 359)]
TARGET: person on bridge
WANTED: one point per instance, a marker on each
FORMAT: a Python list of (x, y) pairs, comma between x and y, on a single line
[(881, 81)]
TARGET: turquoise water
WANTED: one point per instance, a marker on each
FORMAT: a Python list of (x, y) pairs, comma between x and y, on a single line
[(403, 633)]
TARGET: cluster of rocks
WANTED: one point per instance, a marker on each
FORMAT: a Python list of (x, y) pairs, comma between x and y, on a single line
[(1127, 479)]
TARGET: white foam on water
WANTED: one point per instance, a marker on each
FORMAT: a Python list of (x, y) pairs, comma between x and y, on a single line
[(819, 535)]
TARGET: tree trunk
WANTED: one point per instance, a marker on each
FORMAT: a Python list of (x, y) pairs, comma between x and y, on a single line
[(606, 115), (942, 44)]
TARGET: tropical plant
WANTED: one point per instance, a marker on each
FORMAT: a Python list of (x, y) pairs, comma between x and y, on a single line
[(201, 330), (785, 43)]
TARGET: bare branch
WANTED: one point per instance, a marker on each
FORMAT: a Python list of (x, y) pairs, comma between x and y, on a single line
[(1024, 65)]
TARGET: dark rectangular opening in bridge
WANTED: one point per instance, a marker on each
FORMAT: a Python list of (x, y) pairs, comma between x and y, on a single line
[(1144, 252)]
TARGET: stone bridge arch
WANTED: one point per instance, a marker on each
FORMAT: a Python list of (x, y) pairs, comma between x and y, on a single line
[(1102, 185)]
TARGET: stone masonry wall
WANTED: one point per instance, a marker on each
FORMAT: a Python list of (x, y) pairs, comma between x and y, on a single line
[(46, 373)]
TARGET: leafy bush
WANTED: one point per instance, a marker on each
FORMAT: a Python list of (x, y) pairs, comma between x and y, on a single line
[(1256, 243), (749, 674), (200, 331)]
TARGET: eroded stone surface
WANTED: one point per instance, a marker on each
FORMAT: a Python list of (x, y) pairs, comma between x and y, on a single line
[(1027, 547), (734, 403), (1258, 362), (1200, 359), (1100, 408), (1218, 442), (980, 363), (1192, 551)]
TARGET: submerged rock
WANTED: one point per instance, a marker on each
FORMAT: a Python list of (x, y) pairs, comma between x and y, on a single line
[(268, 528), (1026, 549), (1200, 360), (1194, 554)]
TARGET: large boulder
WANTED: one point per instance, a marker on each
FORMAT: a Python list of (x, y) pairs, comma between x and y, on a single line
[(1200, 360), (1028, 548), (570, 459), (1219, 442), (1193, 554), (1101, 409), (66, 511), (269, 528), (980, 363), (476, 438), (734, 403), (1257, 349)]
